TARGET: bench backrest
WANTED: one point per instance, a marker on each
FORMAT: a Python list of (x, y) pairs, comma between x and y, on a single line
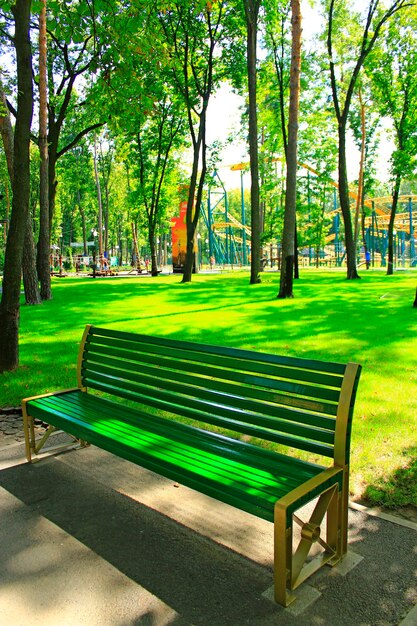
[(304, 404)]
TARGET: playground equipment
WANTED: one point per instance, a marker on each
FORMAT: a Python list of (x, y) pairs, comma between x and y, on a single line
[(376, 230), (179, 239), (228, 238)]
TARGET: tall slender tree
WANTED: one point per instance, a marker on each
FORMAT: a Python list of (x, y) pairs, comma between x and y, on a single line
[(252, 16), (10, 299), (393, 72), (44, 240), (288, 238), (30, 276), (192, 34), (343, 80)]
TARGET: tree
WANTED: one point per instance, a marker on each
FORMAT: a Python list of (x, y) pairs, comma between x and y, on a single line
[(44, 241), (155, 141), (147, 114), (30, 277), (364, 122), (191, 34), (393, 71), (252, 16), (288, 238), (343, 84), (73, 52), (10, 300)]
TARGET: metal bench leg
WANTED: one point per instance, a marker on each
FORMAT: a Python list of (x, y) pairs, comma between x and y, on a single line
[(29, 431), (282, 556), (334, 526), (294, 567), (34, 446), (344, 511)]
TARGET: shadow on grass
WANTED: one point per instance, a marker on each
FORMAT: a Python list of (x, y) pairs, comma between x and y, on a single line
[(330, 319), (368, 321), (402, 481)]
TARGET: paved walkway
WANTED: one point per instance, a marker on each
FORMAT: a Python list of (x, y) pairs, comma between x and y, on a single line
[(88, 539)]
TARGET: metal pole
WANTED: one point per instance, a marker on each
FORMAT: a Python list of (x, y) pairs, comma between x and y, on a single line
[(336, 228), (242, 203), (373, 234), (412, 247), (210, 223), (226, 215)]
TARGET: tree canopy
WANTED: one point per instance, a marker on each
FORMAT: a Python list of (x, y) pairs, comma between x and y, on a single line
[(124, 114)]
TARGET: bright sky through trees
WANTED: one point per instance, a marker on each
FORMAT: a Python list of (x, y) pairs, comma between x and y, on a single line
[(224, 119)]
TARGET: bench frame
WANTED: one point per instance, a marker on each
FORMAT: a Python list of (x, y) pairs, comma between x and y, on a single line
[(330, 489)]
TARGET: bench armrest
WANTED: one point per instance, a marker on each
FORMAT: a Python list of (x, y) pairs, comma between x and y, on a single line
[(310, 485), (45, 395)]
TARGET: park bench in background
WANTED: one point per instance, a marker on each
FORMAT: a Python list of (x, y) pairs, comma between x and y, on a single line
[(189, 411)]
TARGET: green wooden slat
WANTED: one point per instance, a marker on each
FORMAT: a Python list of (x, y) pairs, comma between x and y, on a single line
[(294, 442), (212, 406), (199, 458), (168, 369), (178, 460), (259, 457), (96, 352), (247, 355), (257, 363), (221, 473), (197, 388), (238, 500)]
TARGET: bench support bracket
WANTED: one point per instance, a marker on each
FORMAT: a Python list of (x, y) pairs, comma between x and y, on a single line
[(293, 561), (33, 446)]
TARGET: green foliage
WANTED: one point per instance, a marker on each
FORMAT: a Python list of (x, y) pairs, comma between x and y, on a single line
[(392, 69)]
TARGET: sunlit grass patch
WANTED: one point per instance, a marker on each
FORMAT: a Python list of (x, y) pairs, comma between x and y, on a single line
[(370, 321)]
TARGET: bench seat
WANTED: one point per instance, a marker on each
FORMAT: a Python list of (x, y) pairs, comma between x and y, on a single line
[(246, 476)]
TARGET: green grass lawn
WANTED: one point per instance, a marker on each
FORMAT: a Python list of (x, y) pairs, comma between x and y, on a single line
[(370, 321)]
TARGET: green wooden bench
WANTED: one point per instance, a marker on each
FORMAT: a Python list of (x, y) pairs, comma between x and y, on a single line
[(183, 394)]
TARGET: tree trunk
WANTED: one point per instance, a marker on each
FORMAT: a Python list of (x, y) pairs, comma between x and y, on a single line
[(154, 255), (44, 240), (390, 266), (53, 137), (344, 199), (10, 300), (194, 200), (30, 275), (136, 245), (296, 264), (252, 12), (6, 132), (359, 198), (100, 204), (288, 238)]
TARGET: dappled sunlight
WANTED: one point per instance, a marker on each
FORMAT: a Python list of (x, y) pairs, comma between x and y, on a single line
[(384, 488), (370, 321)]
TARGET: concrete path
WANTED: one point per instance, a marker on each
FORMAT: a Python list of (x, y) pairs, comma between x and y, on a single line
[(87, 539)]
